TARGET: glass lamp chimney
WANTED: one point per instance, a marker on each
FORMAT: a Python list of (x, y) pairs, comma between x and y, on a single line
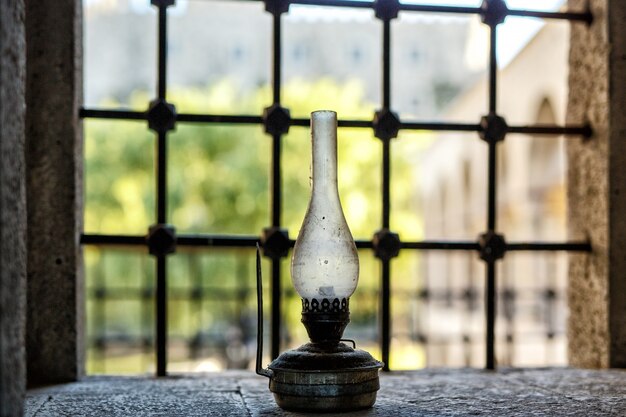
[(325, 263)]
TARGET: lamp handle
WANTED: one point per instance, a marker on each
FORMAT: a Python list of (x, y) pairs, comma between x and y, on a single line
[(259, 335)]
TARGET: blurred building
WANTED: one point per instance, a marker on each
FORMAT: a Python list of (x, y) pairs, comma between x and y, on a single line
[(211, 41), (531, 199)]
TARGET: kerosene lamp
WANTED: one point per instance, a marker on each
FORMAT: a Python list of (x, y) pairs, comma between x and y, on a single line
[(326, 374)]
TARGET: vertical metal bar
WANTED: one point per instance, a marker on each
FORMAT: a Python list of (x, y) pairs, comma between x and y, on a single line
[(470, 301), (385, 319), (276, 300), (276, 57), (386, 183), (161, 171), (276, 180), (259, 317), (195, 271), (490, 297), (386, 64), (493, 67), (425, 298), (161, 209), (507, 304), (161, 284), (385, 295), (276, 190), (550, 297), (161, 315), (146, 310), (100, 314), (276, 276), (491, 186), (241, 275), (162, 59), (490, 289), (385, 301)]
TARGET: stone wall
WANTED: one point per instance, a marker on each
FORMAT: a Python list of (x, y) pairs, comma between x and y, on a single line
[(12, 208), (54, 190), (597, 187)]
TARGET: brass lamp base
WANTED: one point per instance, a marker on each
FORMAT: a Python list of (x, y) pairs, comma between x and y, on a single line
[(323, 378)]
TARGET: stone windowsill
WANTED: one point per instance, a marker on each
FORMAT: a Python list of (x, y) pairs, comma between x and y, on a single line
[(534, 392)]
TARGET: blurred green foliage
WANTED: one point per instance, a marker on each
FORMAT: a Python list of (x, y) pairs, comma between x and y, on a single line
[(219, 182)]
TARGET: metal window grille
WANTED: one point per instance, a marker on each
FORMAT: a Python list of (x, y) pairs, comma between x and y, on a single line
[(161, 116)]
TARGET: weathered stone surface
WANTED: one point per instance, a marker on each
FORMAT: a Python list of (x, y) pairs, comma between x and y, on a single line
[(119, 396), (461, 392), (54, 189), (597, 186), (12, 208)]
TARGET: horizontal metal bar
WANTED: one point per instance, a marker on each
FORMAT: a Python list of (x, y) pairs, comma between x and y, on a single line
[(251, 241), (431, 8), (543, 246), (182, 117), (191, 293), (440, 126), (216, 240), (335, 3), (552, 130), (219, 118), (232, 294), (249, 119), (305, 122), (355, 123), (183, 240), (129, 341), (364, 244), (112, 114), (439, 9), (586, 17), (300, 122), (121, 240), (441, 245)]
